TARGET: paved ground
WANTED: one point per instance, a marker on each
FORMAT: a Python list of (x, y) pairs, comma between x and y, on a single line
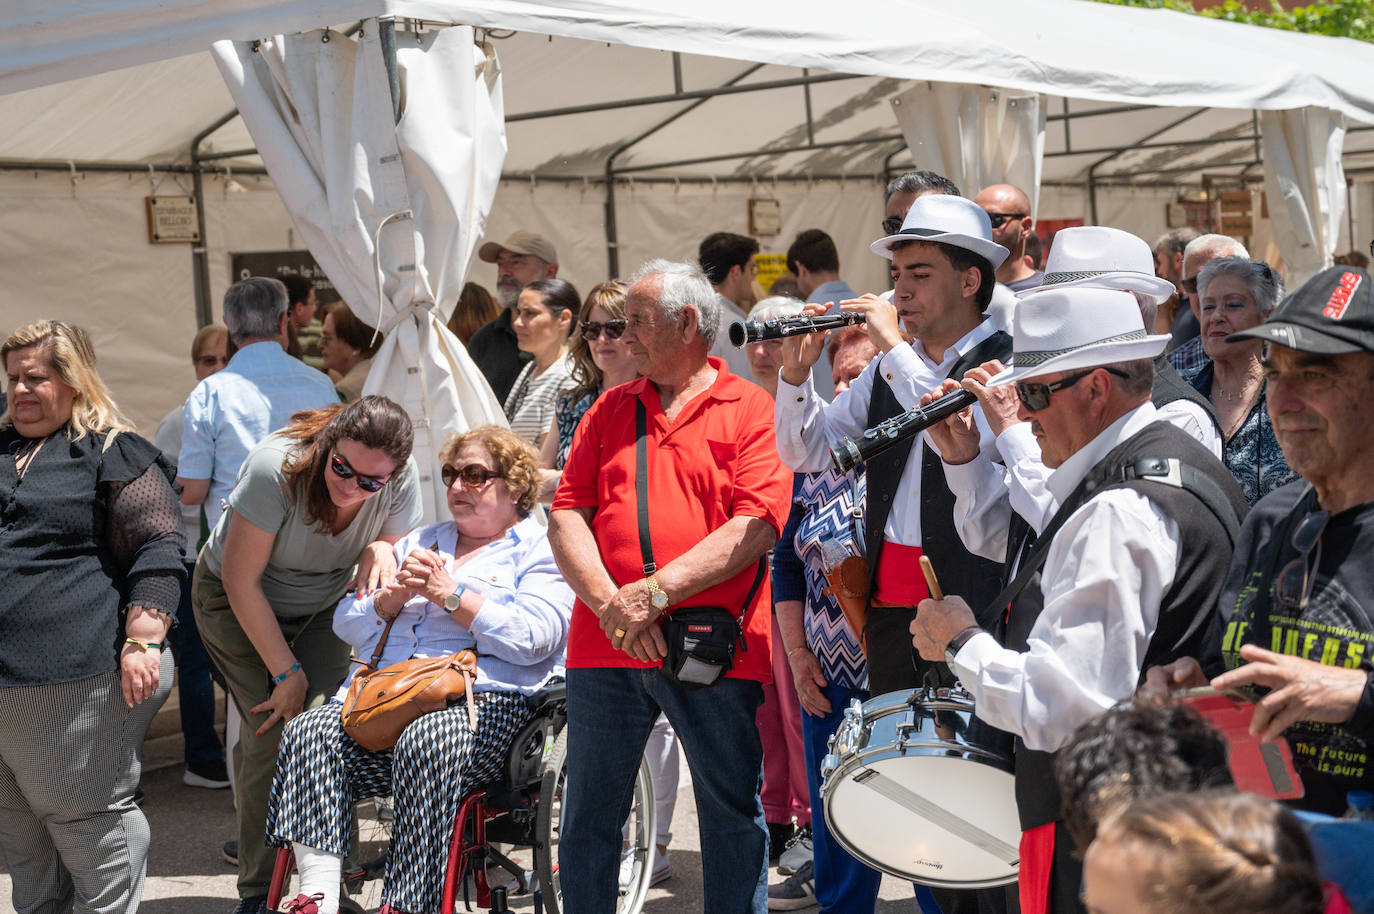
[(186, 873)]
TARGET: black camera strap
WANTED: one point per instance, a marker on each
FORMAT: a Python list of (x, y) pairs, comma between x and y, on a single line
[(646, 547)]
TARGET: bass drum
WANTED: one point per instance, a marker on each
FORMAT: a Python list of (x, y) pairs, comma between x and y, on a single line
[(909, 788)]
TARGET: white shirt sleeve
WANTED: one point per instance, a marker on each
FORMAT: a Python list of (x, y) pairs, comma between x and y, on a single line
[(1027, 475), (982, 509), (807, 426), (1107, 570), (196, 458), (1193, 420)]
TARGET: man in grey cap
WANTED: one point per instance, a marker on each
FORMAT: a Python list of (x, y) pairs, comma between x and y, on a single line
[(520, 260), (1297, 608)]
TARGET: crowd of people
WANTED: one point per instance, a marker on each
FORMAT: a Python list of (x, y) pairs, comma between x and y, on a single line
[(1154, 486)]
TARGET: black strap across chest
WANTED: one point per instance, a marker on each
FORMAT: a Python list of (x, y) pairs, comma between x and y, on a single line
[(646, 546)]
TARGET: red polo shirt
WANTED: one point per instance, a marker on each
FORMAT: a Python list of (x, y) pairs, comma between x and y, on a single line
[(718, 460)]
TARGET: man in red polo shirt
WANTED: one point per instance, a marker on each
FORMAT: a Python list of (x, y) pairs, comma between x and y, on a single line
[(717, 497)]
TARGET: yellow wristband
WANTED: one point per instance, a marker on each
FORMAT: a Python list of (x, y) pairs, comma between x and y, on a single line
[(146, 645)]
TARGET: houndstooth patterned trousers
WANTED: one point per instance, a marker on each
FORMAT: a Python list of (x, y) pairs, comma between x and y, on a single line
[(322, 773)]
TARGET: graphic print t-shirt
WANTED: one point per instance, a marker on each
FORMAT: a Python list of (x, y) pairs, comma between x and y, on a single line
[(1336, 627)]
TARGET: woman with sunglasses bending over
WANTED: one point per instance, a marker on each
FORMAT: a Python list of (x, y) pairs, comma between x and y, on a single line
[(600, 360), (485, 580), (310, 500)]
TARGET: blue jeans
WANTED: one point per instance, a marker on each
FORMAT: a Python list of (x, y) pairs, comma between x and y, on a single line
[(843, 884), (610, 713), (195, 690)]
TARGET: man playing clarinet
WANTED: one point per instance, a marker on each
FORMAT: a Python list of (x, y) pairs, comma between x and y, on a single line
[(943, 263)]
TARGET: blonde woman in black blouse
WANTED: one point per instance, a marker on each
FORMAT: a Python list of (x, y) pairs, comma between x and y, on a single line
[(90, 574)]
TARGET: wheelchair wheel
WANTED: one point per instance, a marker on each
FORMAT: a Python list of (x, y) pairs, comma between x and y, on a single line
[(640, 827)]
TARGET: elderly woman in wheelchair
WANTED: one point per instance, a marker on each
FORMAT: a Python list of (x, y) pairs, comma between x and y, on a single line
[(485, 580)]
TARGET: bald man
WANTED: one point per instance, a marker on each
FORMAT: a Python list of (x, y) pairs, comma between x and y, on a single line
[(1008, 208)]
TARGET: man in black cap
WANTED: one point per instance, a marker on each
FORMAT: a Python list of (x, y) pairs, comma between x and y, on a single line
[(1297, 611)]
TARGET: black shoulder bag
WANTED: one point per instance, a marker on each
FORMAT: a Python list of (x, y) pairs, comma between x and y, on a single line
[(701, 639)]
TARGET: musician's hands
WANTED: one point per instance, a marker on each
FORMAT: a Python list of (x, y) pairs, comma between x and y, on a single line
[(956, 438), (938, 621), (879, 317), (800, 352), (999, 404)]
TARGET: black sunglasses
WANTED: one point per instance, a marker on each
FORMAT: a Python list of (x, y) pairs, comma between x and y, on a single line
[(344, 470), (592, 329), (1294, 582), (1035, 395), (472, 475), (998, 218), (892, 225)]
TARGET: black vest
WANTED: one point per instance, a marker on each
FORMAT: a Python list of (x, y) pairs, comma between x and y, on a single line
[(1204, 555), (1169, 387), (972, 577)]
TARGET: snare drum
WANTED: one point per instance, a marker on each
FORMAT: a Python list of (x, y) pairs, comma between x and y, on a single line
[(907, 790)]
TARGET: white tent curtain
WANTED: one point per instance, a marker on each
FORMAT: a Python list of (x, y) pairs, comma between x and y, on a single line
[(392, 211), (976, 136), (1305, 185)]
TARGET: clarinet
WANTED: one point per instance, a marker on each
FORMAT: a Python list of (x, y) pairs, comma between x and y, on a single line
[(891, 432), (743, 332)]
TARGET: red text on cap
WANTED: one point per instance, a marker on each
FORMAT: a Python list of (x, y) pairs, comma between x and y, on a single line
[(1340, 298)]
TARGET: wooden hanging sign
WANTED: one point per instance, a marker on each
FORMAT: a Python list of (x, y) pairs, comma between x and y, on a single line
[(173, 219)]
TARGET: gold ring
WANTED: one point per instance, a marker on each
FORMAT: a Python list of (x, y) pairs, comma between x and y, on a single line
[(620, 633)]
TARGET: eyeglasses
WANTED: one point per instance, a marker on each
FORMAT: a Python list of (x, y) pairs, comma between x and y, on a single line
[(592, 329), (1035, 395), (892, 225), (473, 475), (344, 470), (998, 218), (1292, 587)]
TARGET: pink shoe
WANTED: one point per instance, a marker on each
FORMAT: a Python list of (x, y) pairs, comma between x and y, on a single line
[(388, 909), (305, 904)]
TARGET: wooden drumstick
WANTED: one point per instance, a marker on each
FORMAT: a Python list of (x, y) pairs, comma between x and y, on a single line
[(932, 582)]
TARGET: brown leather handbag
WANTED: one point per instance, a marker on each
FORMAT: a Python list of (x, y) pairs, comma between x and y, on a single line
[(848, 582), (382, 703)]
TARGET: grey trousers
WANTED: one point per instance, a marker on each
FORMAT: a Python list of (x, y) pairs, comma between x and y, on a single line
[(70, 758)]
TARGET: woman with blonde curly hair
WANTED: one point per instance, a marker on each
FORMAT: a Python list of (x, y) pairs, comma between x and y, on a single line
[(485, 580), (90, 573), (1213, 851)]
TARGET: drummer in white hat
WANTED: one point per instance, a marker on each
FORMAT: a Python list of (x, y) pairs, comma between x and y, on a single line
[(1128, 567)]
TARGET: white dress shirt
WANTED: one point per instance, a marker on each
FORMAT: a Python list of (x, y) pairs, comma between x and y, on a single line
[(722, 349), (1107, 569), (807, 427), (520, 633)]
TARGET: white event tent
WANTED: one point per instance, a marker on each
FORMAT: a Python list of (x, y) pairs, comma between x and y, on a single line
[(390, 142)]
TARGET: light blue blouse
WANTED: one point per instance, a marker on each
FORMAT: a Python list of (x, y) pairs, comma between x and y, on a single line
[(520, 633)]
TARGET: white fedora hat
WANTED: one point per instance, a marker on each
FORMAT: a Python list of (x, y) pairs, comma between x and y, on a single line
[(1097, 257), (946, 219), (1065, 329)]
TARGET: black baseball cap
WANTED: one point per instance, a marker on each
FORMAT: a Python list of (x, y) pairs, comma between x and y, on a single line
[(1330, 314)]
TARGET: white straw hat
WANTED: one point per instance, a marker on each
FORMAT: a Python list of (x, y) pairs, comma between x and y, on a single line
[(946, 219), (1097, 257), (1067, 328)]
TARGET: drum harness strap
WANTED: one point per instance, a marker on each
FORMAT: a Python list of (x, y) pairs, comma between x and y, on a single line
[(1169, 471)]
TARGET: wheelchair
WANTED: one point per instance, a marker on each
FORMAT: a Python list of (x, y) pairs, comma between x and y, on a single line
[(522, 809)]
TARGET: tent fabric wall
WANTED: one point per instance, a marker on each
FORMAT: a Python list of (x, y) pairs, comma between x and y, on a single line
[(976, 136), (391, 202), (1305, 184)]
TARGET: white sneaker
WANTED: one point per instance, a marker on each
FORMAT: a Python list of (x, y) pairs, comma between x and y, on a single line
[(661, 870), (797, 852)]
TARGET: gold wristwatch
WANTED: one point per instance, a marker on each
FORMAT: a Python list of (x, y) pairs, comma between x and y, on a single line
[(657, 598)]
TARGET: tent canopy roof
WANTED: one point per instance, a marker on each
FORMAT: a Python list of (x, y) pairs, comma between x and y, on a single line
[(65, 102)]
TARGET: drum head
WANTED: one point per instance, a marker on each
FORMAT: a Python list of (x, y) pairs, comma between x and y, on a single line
[(941, 819)]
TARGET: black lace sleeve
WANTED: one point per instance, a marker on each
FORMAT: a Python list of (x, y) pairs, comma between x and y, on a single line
[(144, 534)]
